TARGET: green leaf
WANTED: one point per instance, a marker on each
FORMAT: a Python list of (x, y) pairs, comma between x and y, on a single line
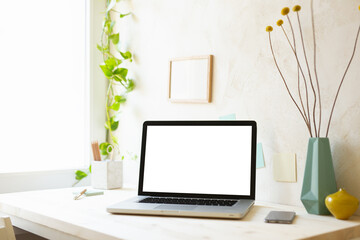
[(117, 78), (126, 55), (121, 72), (99, 48), (118, 61), (115, 106), (117, 101), (102, 49), (110, 63), (114, 125), (122, 158), (90, 168), (111, 5), (130, 85), (103, 148), (119, 98), (110, 148), (80, 175), (108, 73), (107, 25), (115, 38), (124, 15)]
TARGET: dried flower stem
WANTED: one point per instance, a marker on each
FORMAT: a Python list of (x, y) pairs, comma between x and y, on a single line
[(342, 80), (302, 73), (287, 88), (315, 71), (298, 71), (299, 92), (306, 89), (304, 112), (308, 68)]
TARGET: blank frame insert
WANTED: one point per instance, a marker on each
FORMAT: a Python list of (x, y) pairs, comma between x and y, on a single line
[(190, 79), (284, 167)]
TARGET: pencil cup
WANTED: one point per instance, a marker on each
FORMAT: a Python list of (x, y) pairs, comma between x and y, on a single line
[(107, 174)]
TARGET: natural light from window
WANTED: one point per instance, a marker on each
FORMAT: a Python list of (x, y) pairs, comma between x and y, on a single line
[(43, 86)]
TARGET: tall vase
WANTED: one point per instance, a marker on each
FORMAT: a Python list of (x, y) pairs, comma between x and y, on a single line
[(319, 177)]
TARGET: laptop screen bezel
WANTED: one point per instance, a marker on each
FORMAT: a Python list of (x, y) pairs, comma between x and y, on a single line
[(199, 123)]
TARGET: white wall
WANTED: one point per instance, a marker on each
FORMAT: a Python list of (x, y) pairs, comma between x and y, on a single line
[(245, 80)]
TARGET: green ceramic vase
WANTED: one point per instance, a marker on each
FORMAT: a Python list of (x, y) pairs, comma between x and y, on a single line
[(319, 177)]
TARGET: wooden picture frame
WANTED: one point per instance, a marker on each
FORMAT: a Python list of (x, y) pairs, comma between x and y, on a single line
[(190, 79)]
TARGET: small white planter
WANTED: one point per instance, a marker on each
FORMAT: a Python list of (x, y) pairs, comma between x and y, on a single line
[(107, 174)]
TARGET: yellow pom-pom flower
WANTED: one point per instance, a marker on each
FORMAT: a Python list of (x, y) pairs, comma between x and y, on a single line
[(279, 22), (269, 28), (359, 7), (296, 8), (285, 11)]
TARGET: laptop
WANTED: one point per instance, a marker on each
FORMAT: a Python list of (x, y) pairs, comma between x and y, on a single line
[(195, 169)]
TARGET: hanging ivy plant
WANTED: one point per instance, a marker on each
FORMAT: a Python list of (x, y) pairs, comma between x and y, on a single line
[(115, 73), (119, 85)]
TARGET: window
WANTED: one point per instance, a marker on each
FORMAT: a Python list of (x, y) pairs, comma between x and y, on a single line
[(44, 87)]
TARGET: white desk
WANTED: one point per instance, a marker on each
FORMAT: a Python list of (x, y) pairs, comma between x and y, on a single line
[(55, 215)]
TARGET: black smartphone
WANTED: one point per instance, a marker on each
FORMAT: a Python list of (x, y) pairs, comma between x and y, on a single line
[(280, 217)]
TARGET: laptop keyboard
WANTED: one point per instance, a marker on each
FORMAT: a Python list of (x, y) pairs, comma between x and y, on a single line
[(189, 201)]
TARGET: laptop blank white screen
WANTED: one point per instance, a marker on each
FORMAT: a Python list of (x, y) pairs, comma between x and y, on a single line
[(198, 160)]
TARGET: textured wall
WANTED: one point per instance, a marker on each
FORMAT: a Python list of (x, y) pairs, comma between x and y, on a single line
[(245, 80)]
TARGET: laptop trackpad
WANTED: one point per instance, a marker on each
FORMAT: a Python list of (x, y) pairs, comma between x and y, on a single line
[(175, 207)]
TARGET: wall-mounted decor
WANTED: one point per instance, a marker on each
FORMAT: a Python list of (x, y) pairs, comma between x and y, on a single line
[(284, 167), (190, 79)]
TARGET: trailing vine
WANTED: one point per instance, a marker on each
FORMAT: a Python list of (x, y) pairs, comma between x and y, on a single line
[(116, 75), (119, 85)]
